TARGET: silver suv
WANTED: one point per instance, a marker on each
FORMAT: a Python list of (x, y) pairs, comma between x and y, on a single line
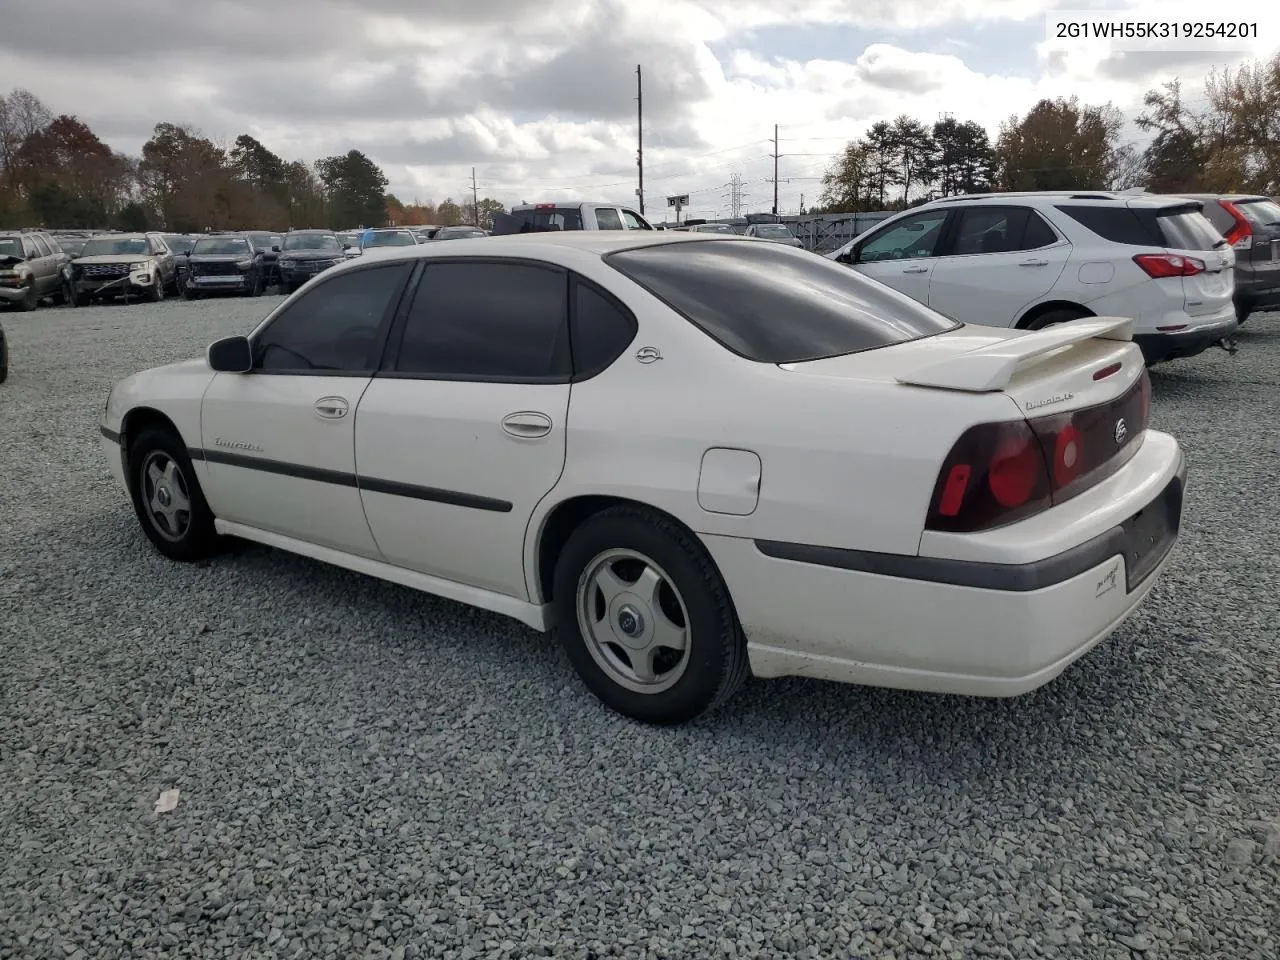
[(31, 269)]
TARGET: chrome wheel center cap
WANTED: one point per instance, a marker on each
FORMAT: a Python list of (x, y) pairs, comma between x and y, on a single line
[(630, 621), (162, 495)]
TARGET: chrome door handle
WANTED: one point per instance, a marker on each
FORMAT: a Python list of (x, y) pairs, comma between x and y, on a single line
[(331, 408), (1034, 263), (527, 424), (916, 270)]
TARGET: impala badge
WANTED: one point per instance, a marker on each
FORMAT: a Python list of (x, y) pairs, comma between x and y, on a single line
[(1122, 431), (648, 354)]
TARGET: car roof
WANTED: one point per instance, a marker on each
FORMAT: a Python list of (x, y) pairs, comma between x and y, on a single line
[(599, 242)]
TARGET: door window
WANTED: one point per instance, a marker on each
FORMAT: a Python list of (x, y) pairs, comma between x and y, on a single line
[(41, 247), (633, 220), (335, 327), (989, 230), (607, 219), (488, 320), (29, 249), (908, 239), (1038, 233)]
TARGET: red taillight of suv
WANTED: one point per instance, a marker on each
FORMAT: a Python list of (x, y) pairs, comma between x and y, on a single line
[(1240, 235), (998, 473), (1161, 265)]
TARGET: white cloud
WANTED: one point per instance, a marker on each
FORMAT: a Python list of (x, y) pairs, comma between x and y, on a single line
[(539, 97)]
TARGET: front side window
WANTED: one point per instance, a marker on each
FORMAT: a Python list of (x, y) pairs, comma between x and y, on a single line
[(335, 326), (607, 219), (908, 239), (634, 221), (488, 320), (776, 304)]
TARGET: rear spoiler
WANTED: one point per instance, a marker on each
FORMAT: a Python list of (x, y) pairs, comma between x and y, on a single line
[(991, 367)]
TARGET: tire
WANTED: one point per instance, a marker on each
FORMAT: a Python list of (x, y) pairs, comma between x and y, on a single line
[(4, 359), (1242, 314), (79, 299), (156, 293), (188, 293), (63, 296), (30, 300), (256, 289), (638, 546), (161, 477), (1054, 317)]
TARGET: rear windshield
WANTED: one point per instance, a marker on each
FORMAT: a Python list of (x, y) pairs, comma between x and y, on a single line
[(773, 231), (776, 304), (1184, 229), (559, 218), (1261, 213)]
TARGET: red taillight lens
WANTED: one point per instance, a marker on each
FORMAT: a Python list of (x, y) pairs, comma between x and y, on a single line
[(998, 473), (1163, 265), (1240, 235)]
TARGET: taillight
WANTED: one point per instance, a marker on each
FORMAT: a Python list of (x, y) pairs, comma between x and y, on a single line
[(1240, 235), (998, 473), (1161, 265)]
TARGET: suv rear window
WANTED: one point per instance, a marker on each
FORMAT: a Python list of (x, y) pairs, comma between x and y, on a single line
[(1185, 228), (775, 304), (1260, 213), (559, 218)]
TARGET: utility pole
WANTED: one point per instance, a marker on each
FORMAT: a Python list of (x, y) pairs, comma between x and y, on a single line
[(775, 169), (640, 136), (475, 202)]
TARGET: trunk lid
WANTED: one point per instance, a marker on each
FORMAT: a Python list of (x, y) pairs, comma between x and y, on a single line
[(1186, 232)]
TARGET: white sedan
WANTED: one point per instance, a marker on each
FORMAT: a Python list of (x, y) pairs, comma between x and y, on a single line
[(693, 456)]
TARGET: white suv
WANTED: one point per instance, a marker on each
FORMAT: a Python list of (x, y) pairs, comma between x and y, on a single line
[(1028, 260)]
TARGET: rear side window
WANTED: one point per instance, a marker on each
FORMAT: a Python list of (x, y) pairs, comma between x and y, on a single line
[(600, 329), (1115, 223), (488, 320), (607, 219), (1188, 229), (773, 303), (1038, 234), (41, 247)]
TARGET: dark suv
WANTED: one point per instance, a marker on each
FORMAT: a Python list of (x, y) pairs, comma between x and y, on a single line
[(304, 253), (1251, 225)]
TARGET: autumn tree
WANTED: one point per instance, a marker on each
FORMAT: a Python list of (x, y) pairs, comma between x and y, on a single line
[(482, 213), (449, 213), (1060, 145), (1243, 128), (355, 188), (964, 157), (185, 179), (70, 177)]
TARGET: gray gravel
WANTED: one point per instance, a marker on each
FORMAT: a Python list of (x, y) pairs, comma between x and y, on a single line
[(370, 772)]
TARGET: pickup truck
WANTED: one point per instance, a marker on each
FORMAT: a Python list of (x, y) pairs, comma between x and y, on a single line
[(546, 217)]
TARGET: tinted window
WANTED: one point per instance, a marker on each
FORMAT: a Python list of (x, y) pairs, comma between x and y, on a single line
[(1261, 213), (334, 325), (558, 218), (607, 219), (601, 329), (41, 247), (907, 239), (1188, 230), (989, 230), (1038, 233), (1219, 217), (774, 303), (1118, 224), (486, 320)]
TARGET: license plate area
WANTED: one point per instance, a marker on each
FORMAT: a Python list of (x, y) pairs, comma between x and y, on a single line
[(1151, 532)]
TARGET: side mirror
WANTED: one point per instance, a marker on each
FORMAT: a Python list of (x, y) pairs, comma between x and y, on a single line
[(230, 355), (346, 246), (275, 248)]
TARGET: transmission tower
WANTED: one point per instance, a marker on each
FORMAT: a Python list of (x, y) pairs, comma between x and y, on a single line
[(736, 196)]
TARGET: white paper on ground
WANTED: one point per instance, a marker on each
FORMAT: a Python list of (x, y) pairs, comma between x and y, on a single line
[(168, 801)]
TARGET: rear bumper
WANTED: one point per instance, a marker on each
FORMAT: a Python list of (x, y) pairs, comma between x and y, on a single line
[(945, 626), (1174, 345)]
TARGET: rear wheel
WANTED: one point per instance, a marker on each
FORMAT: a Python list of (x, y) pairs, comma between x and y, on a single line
[(645, 617), (1055, 317), (167, 497)]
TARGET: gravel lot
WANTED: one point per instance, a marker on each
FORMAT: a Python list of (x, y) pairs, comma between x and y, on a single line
[(370, 772)]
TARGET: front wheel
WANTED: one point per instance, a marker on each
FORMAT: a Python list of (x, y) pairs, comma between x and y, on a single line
[(167, 497), (30, 299), (646, 619), (4, 358), (255, 288), (156, 293)]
